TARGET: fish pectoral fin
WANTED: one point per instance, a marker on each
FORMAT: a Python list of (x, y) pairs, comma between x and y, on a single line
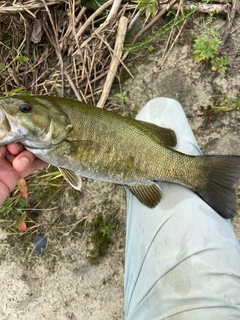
[(72, 178), (148, 194), (167, 137)]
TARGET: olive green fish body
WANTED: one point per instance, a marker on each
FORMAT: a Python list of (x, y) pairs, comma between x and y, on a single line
[(86, 141), (109, 147), (121, 150)]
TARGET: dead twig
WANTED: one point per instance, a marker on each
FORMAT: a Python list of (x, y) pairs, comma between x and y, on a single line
[(92, 17), (114, 10), (73, 86), (21, 7), (168, 49), (153, 21), (203, 7), (55, 43), (122, 28), (172, 45), (229, 25)]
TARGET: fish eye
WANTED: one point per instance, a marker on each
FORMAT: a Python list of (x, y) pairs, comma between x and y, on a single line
[(25, 108)]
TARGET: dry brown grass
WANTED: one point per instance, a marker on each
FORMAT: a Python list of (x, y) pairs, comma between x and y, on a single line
[(69, 52), (69, 49)]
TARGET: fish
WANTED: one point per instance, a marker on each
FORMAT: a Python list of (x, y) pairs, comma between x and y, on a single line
[(85, 141)]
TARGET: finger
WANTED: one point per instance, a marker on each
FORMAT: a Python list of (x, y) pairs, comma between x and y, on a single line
[(4, 192), (15, 148), (37, 164), (3, 151), (10, 157), (23, 161)]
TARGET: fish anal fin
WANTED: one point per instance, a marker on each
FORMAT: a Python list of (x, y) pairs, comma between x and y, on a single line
[(72, 178), (148, 194), (167, 137)]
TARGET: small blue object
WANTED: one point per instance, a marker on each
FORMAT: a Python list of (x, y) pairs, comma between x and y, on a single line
[(40, 242)]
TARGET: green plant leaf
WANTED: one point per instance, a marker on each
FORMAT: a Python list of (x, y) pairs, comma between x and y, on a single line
[(15, 91), (220, 65), (22, 59), (2, 67)]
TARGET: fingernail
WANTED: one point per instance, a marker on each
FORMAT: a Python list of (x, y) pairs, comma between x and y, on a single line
[(25, 161)]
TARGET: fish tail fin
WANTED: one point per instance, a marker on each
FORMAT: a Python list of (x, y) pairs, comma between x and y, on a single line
[(220, 192)]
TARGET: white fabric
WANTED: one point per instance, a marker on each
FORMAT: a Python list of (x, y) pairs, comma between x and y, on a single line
[(182, 258)]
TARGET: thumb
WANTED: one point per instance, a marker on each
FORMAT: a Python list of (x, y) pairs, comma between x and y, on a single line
[(23, 161)]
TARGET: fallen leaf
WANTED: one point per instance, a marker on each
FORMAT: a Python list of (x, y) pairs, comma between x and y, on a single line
[(19, 222), (22, 186), (22, 227)]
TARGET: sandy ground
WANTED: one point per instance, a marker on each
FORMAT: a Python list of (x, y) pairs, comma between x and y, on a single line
[(64, 283)]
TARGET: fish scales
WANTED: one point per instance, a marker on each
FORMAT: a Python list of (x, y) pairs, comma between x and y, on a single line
[(82, 140), (127, 152)]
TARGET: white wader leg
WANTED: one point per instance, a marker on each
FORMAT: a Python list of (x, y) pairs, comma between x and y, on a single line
[(182, 258)]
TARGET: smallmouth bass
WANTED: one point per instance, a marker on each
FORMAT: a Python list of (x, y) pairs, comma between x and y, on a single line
[(82, 140)]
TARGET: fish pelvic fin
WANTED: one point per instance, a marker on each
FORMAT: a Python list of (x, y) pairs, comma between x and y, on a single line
[(72, 178), (148, 194), (220, 191)]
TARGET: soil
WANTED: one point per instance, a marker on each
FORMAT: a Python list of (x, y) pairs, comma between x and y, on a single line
[(80, 274)]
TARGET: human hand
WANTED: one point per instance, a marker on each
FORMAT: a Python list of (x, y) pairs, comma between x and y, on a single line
[(15, 163)]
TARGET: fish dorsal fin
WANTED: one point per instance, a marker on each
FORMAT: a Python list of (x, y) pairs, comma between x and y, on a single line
[(72, 178), (148, 194), (167, 137)]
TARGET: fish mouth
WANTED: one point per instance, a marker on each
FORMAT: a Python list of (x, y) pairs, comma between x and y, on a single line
[(5, 127)]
